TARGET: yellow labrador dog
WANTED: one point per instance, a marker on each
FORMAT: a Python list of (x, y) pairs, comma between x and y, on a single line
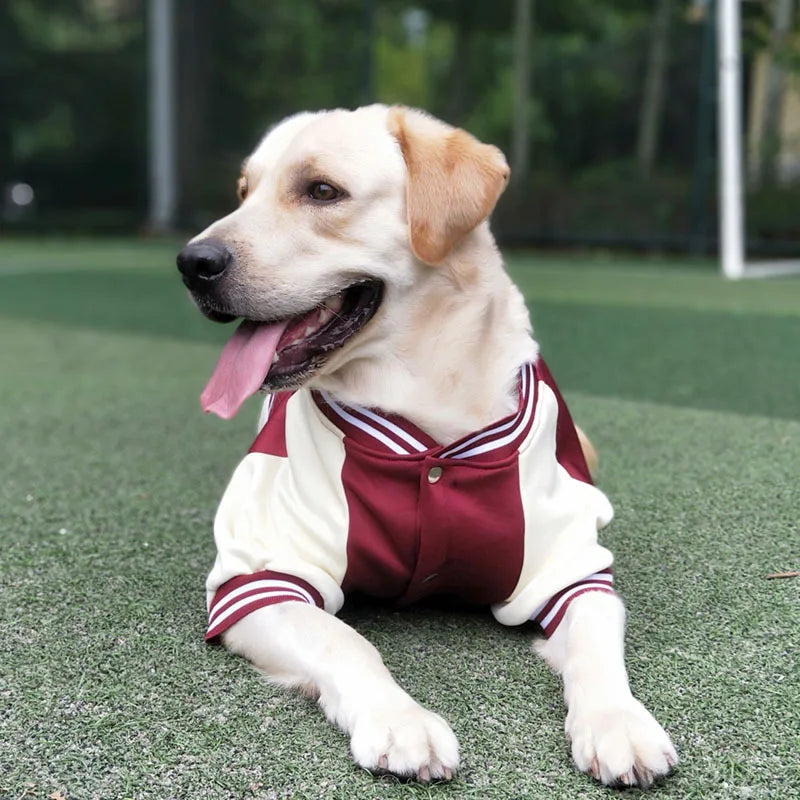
[(412, 441)]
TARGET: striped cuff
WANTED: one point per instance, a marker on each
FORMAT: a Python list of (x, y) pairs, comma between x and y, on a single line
[(552, 612), (243, 594)]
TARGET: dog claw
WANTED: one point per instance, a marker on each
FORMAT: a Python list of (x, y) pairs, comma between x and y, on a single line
[(621, 746), (643, 777), (628, 778), (448, 773), (400, 737)]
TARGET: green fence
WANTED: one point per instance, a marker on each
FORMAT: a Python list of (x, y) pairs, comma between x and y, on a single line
[(606, 108)]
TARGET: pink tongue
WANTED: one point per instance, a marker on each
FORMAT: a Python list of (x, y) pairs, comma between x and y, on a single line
[(242, 367)]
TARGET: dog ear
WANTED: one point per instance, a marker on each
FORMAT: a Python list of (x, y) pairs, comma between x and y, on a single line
[(454, 181)]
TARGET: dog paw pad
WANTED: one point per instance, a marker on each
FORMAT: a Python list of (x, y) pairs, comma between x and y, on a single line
[(405, 740), (620, 746)]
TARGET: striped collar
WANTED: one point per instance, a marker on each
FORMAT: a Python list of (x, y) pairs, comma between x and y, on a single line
[(395, 436)]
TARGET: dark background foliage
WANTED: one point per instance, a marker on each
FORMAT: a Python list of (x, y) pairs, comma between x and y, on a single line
[(73, 105)]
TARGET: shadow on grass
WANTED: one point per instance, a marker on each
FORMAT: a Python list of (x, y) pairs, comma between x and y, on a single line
[(144, 302), (745, 363)]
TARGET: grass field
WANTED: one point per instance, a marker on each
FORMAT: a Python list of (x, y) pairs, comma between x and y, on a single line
[(110, 476)]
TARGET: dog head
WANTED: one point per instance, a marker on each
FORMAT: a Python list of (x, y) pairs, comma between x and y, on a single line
[(341, 215)]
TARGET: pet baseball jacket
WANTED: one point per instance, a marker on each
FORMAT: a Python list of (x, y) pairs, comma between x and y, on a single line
[(333, 499)]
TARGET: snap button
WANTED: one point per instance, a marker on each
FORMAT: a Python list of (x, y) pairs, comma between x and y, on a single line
[(434, 473)]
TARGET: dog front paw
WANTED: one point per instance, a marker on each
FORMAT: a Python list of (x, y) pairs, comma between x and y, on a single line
[(404, 739), (620, 746)]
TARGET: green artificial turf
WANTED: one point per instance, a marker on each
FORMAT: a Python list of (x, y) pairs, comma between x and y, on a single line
[(110, 475)]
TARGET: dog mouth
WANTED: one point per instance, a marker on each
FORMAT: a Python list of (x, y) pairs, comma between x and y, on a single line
[(327, 327), (285, 353)]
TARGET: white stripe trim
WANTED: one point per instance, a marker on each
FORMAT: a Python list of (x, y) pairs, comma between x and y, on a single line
[(395, 429), (519, 421), (607, 577), (568, 595), (368, 429), (526, 380), (215, 621), (502, 442), (262, 583)]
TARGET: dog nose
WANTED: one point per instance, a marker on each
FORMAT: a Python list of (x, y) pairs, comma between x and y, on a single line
[(203, 261)]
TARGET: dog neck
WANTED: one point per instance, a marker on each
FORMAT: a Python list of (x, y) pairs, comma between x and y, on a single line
[(446, 355)]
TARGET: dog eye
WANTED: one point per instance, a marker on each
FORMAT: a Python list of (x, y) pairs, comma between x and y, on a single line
[(241, 188), (323, 192)]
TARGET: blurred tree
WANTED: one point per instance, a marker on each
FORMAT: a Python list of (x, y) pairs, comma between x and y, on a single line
[(81, 108), (767, 170), (654, 88), (194, 18), (72, 97), (404, 50), (520, 140), (257, 63), (14, 62)]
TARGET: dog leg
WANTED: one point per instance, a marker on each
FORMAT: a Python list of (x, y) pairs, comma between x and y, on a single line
[(613, 735), (300, 646)]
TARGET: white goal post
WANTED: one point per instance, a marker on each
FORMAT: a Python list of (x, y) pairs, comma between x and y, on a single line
[(731, 188)]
